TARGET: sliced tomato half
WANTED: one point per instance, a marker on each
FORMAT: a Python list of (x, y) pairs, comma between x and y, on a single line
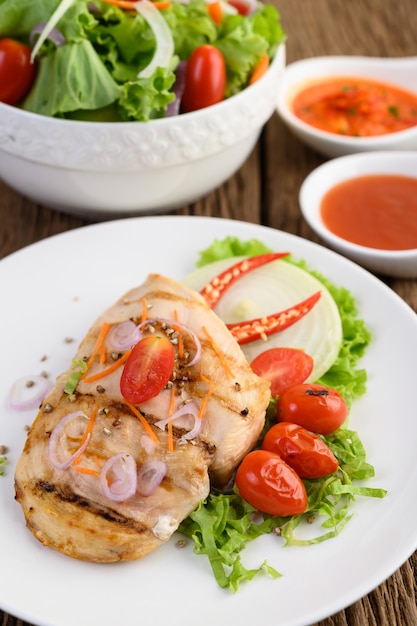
[(283, 367)]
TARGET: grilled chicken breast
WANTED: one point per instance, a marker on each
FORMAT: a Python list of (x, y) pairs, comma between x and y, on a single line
[(86, 442)]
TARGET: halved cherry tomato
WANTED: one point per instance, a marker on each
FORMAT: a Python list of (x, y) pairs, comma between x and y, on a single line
[(283, 367), (318, 408), (242, 6), (303, 450), (205, 79), (17, 73), (270, 485), (148, 369)]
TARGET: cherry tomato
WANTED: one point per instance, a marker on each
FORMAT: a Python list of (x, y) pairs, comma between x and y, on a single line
[(270, 485), (242, 6), (17, 73), (205, 79), (283, 367), (147, 369), (316, 407), (301, 449)]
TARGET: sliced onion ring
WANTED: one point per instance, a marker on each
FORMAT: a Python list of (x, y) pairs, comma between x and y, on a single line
[(61, 9), (118, 477), (28, 392), (54, 35), (163, 37), (190, 408), (175, 324), (124, 335), (150, 476), (55, 436)]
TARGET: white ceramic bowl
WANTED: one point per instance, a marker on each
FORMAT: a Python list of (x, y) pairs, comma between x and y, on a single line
[(102, 170), (401, 72), (401, 263)]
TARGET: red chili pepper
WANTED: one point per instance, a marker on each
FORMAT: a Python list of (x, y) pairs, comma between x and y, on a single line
[(215, 289), (262, 327)]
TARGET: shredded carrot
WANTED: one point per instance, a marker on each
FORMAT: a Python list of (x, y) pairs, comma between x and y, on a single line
[(207, 396), (143, 421), (170, 438), (103, 353), (215, 11), (88, 431), (87, 470), (97, 347), (127, 4), (144, 310), (180, 339), (171, 402), (217, 350), (260, 69), (110, 369)]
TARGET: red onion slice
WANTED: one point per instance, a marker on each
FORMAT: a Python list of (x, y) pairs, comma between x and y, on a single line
[(150, 476), (54, 35), (175, 324), (28, 392), (55, 437), (190, 408), (179, 86), (118, 478), (124, 335)]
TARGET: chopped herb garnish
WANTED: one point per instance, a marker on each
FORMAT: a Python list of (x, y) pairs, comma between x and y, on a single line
[(75, 375), (3, 460), (393, 110)]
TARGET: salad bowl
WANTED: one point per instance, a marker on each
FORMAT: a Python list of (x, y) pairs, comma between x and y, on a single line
[(398, 72), (107, 169)]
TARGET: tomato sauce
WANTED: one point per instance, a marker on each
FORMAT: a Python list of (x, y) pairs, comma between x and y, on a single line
[(356, 107), (377, 211)]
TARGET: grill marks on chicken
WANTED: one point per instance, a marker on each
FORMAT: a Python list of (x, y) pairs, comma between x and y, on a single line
[(66, 509)]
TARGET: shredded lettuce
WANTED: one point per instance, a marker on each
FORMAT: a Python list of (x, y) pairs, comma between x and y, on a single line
[(75, 375), (223, 524), (106, 47)]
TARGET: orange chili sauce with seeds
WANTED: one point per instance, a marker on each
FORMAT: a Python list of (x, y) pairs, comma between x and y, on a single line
[(376, 211), (356, 107)]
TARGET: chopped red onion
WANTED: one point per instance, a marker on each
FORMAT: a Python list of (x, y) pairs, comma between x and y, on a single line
[(118, 477), (190, 408), (174, 107), (150, 476), (124, 335), (54, 35), (56, 435), (173, 324), (28, 392)]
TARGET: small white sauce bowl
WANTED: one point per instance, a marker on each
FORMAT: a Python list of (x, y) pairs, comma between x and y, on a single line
[(396, 263), (399, 72)]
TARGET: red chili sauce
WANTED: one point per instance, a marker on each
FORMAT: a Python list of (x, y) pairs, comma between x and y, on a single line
[(376, 211), (356, 107)]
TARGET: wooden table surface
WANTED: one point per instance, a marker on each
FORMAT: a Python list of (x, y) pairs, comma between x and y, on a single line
[(265, 191)]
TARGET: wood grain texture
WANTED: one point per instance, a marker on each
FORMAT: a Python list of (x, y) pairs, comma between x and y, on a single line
[(265, 191)]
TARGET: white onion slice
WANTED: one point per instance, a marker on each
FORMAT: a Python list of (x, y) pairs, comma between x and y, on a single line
[(56, 434), (190, 408), (150, 475), (61, 9), (271, 288), (173, 324), (163, 37), (118, 477), (124, 335), (28, 392)]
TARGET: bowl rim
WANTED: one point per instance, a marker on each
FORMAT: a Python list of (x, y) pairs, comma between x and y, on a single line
[(328, 65), (309, 201), (278, 62)]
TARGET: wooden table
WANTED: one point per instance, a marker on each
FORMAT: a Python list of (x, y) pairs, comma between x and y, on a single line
[(265, 191)]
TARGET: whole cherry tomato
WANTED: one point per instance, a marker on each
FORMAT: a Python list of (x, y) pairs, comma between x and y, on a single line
[(318, 408), (303, 450), (205, 79), (283, 367), (147, 369), (270, 485), (17, 73)]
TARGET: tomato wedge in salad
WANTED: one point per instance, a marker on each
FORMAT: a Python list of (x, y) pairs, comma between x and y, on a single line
[(283, 367), (147, 369)]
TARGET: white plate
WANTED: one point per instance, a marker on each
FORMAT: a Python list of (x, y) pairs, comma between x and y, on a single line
[(55, 289)]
